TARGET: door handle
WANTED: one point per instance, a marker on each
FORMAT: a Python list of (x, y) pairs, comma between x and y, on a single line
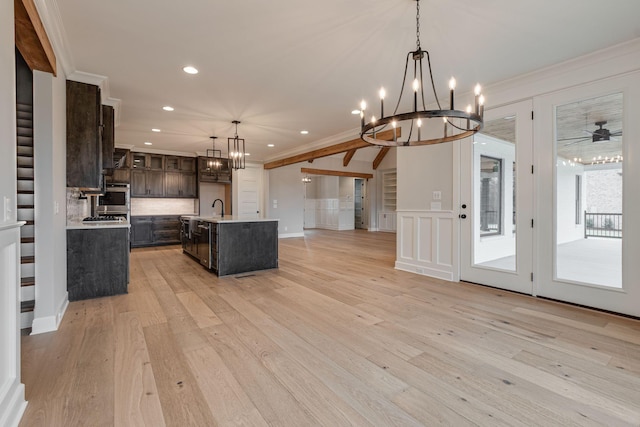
[(462, 216)]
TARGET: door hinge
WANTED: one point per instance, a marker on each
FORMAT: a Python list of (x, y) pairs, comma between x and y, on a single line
[(532, 277), (531, 115), (531, 222)]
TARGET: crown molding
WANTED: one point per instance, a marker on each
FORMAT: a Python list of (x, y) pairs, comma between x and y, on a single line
[(52, 22)]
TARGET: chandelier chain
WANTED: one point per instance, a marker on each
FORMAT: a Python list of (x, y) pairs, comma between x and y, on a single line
[(418, 25)]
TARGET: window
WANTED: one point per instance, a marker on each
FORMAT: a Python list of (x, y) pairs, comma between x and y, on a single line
[(490, 196)]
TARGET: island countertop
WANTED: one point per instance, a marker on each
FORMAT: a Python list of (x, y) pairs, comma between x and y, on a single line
[(80, 225), (227, 218)]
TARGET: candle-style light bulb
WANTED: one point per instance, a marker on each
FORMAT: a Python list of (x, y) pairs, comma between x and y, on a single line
[(416, 87), (395, 134), (481, 104), (419, 128), (468, 112), (382, 95), (477, 90), (452, 86), (373, 122), (363, 105)]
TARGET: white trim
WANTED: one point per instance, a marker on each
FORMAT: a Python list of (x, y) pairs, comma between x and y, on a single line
[(13, 405), (11, 225), (52, 21), (424, 271), (41, 325), (289, 235), (322, 143)]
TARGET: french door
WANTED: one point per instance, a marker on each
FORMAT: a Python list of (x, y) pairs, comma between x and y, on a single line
[(496, 203), (589, 204)]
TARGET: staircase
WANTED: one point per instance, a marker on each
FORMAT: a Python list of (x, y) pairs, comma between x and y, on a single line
[(25, 197)]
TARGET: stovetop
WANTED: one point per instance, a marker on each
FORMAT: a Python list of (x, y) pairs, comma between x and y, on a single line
[(104, 218)]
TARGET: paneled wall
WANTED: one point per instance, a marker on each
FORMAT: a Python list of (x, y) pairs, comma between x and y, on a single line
[(425, 243)]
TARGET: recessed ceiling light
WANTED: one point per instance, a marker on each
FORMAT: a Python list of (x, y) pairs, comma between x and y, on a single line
[(167, 108), (304, 132), (148, 143), (155, 130), (190, 70), (247, 154), (355, 112), (270, 145)]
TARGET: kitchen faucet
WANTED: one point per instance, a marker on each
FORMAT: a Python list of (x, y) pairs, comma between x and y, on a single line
[(222, 206)]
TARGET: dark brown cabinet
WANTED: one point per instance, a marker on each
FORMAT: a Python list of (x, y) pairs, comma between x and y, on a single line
[(180, 164), (122, 165), (147, 183), (179, 184), (84, 136), (155, 230), (108, 139), (141, 231), (148, 161)]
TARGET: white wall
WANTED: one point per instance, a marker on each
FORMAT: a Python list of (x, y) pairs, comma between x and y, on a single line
[(285, 186), (12, 403), (210, 191), (566, 228), (49, 118)]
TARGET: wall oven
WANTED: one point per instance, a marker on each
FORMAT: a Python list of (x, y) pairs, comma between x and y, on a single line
[(114, 202)]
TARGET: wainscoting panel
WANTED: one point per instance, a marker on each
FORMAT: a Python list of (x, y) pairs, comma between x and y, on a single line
[(425, 243)]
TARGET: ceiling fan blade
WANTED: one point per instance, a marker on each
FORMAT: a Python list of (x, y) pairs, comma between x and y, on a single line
[(616, 133), (571, 139), (576, 142)]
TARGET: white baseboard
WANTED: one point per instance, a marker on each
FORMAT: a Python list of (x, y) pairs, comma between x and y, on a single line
[(424, 271), (12, 405), (45, 324), (289, 235)]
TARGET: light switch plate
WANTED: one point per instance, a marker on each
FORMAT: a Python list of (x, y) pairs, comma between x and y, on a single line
[(437, 195)]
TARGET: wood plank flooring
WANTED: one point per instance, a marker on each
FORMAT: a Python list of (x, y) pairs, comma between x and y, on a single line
[(333, 337)]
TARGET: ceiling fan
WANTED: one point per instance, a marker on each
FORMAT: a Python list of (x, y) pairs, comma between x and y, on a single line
[(598, 136)]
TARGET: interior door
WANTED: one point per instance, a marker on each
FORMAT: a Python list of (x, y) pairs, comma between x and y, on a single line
[(496, 204), (588, 196), (248, 186)]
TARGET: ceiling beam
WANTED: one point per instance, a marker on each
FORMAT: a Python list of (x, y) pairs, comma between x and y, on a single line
[(329, 151), (383, 152), (31, 38), (348, 157), (336, 173)]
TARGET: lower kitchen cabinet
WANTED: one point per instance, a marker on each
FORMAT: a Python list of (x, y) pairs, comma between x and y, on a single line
[(97, 262), (155, 230)]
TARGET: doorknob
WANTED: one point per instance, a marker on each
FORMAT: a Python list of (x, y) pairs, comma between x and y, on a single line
[(464, 206), (463, 216)]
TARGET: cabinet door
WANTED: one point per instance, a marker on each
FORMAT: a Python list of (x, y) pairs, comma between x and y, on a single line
[(188, 164), (108, 137), (173, 184), (138, 183), (139, 161), (84, 139), (172, 163), (189, 185), (155, 183), (141, 231), (156, 162)]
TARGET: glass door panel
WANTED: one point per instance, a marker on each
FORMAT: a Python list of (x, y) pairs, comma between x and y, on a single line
[(588, 190)]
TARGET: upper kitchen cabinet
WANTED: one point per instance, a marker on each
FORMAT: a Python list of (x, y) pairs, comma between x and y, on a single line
[(84, 136), (108, 139), (122, 165), (146, 161), (180, 164)]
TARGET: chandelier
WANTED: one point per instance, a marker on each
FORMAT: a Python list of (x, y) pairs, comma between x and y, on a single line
[(235, 148), (214, 158), (444, 125), (306, 179)]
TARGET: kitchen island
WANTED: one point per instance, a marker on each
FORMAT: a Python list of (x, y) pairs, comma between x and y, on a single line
[(231, 244), (97, 259)]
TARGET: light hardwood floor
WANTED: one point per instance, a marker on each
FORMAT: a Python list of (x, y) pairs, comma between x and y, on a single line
[(333, 337)]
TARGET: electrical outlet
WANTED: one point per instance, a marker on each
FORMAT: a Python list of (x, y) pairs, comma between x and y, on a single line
[(437, 195)]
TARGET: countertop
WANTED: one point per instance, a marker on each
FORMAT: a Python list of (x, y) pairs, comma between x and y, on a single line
[(227, 218), (79, 225)]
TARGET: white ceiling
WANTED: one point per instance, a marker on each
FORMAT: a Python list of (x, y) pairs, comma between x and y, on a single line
[(282, 66)]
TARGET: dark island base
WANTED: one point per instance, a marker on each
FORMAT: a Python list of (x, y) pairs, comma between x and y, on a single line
[(247, 246), (97, 262)]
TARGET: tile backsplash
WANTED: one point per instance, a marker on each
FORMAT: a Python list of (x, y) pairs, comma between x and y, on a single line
[(161, 206), (77, 207)]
